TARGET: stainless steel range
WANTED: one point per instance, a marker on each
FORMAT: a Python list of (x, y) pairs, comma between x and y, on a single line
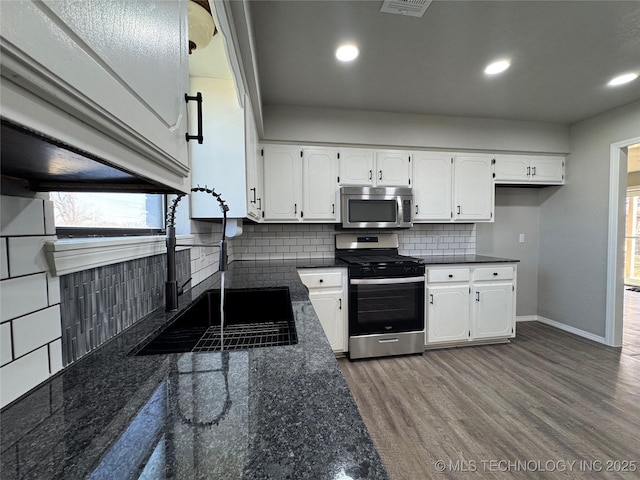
[(386, 296)]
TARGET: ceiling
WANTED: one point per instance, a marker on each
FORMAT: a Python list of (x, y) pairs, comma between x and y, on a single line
[(562, 54)]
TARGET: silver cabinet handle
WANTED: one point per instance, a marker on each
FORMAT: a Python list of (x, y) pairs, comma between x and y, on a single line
[(528, 171), (431, 299), (388, 340), (459, 210), (340, 304), (380, 175), (477, 296), (259, 204), (295, 208), (254, 194), (416, 209), (333, 208), (534, 171), (370, 174)]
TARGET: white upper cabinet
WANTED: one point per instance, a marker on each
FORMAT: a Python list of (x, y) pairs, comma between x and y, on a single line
[(356, 166), (521, 169), (300, 184), (393, 168), (219, 162), (282, 182), (254, 166), (449, 187), (320, 187), (432, 184), (473, 190), (117, 67), (383, 168)]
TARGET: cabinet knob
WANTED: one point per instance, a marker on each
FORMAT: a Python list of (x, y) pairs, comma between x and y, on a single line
[(495, 274), (451, 275), (321, 280)]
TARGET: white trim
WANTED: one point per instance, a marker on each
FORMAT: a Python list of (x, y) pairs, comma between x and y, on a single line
[(527, 318), (570, 329), (614, 305), (76, 255)]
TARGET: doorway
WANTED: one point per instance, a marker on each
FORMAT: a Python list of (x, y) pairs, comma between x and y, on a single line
[(622, 172)]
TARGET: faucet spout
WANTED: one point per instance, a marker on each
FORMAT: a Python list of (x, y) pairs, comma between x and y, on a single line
[(171, 284)]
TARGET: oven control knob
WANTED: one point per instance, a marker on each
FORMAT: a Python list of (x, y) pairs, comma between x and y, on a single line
[(365, 271), (409, 269)]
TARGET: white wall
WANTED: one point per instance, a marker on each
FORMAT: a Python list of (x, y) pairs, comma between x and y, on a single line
[(30, 327), (572, 277), (320, 125), (517, 212)]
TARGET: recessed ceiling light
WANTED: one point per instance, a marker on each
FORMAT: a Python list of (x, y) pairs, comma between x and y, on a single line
[(497, 67), (622, 79), (347, 53)]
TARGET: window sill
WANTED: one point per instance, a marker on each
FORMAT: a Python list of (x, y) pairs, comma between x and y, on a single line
[(75, 255)]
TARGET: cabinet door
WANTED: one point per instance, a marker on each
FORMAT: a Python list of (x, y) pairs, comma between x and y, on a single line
[(473, 189), (547, 170), (512, 168), (219, 162), (282, 182), (447, 313), (492, 310), (252, 154), (392, 169), (119, 66), (432, 182), (319, 184), (356, 166), (329, 308)]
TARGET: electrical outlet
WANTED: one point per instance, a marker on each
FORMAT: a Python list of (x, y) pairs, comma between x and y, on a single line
[(521, 238)]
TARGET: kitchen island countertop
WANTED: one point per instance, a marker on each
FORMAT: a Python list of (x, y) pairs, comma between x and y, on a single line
[(272, 413)]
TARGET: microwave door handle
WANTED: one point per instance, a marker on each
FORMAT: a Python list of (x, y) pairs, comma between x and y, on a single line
[(385, 281)]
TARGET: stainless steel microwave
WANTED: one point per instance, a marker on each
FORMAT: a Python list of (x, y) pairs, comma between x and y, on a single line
[(376, 207)]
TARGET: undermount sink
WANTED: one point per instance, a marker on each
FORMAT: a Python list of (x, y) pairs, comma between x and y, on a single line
[(253, 318)]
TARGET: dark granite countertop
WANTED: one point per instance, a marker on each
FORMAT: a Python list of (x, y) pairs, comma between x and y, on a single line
[(266, 413), (462, 259)]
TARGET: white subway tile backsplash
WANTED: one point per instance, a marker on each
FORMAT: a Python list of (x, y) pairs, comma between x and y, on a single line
[(21, 216), (22, 295), (6, 354), (4, 262), (55, 356), (317, 240), (27, 255), (21, 375), (35, 330), (49, 218), (53, 289)]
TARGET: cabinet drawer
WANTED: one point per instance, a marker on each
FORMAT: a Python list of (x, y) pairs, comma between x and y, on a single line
[(448, 275), (321, 279), (493, 273)]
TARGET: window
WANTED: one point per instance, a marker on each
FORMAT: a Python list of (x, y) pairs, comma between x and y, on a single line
[(106, 214), (632, 240)]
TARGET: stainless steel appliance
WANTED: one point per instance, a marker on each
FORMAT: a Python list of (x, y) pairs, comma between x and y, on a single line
[(376, 207), (386, 296)]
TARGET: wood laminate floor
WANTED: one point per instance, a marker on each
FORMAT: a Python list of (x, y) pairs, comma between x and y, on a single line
[(545, 400)]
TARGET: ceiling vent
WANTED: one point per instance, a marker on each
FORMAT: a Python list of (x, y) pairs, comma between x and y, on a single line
[(411, 8)]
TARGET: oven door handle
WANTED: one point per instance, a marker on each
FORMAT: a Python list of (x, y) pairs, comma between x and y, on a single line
[(385, 281)]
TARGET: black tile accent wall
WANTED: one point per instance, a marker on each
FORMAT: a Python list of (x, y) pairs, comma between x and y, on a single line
[(98, 304)]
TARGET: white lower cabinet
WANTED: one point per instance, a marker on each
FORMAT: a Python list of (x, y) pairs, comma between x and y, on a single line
[(447, 313), (472, 303), (328, 295), (492, 310)]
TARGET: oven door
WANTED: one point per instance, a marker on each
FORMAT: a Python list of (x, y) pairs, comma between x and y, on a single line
[(386, 305)]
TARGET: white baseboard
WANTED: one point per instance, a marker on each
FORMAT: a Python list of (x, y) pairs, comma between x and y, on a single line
[(561, 326)]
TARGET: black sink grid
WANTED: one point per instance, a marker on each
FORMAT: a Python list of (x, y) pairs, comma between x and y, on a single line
[(254, 318)]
